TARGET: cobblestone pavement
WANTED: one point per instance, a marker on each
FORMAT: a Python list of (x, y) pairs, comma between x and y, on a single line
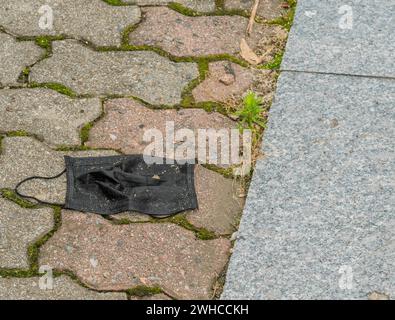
[(89, 82)]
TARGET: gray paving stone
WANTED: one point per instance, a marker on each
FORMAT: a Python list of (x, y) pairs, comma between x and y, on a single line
[(322, 199), (15, 56), (92, 20), (63, 289), (319, 42), (19, 228), (23, 157), (197, 5), (51, 116), (144, 74)]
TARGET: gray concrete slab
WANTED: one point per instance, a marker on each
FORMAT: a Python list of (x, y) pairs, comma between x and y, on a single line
[(319, 221), (347, 37)]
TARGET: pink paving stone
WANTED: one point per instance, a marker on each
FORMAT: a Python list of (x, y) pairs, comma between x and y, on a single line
[(117, 257), (267, 9), (181, 35), (126, 121), (225, 80), (219, 205)]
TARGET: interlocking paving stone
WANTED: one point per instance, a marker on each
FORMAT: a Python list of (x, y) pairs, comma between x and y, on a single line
[(144, 74), (63, 289), (196, 36), (23, 157), (116, 257), (92, 20), (19, 227), (225, 80), (219, 205), (319, 42), (126, 121), (51, 116), (15, 56), (267, 9), (198, 5), (321, 201)]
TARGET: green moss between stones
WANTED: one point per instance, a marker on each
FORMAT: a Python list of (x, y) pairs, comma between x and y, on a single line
[(226, 172), (219, 10), (34, 249), (26, 71), (45, 42), (115, 2), (126, 32), (12, 196), (183, 10), (24, 76), (181, 220), (66, 148), (143, 291), (84, 135), (17, 133), (220, 4), (286, 20), (54, 86), (275, 63)]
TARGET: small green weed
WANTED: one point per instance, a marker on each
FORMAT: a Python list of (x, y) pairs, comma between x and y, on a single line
[(251, 115)]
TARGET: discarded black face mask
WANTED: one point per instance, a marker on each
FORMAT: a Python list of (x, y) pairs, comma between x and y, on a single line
[(114, 184)]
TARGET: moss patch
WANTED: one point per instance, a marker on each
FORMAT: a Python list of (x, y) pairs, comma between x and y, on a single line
[(85, 132), (180, 219), (275, 63), (143, 291), (115, 2), (12, 196), (220, 4), (286, 20), (55, 86), (18, 133), (34, 249), (183, 10)]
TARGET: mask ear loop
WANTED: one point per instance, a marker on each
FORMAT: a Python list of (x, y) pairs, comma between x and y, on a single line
[(38, 178)]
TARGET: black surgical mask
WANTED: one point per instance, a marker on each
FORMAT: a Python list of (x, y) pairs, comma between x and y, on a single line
[(114, 184)]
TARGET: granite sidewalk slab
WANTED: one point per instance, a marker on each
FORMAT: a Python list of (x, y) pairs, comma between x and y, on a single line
[(319, 221), (345, 37)]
